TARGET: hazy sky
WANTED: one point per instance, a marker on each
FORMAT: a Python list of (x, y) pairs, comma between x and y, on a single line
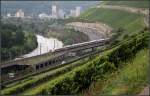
[(37, 7)]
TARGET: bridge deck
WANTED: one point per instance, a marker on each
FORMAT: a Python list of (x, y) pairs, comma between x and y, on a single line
[(31, 60), (58, 52)]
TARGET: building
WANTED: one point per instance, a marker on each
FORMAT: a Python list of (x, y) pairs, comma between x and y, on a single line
[(8, 15), (43, 15), (61, 14), (54, 11), (77, 11), (20, 14), (72, 13)]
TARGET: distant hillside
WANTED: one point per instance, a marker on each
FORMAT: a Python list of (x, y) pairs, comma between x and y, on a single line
[(136, 3), (129, 22)]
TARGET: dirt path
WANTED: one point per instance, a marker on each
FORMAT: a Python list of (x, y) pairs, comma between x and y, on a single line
[(146, 20), (93, 30), (145, 92), (129, 9)]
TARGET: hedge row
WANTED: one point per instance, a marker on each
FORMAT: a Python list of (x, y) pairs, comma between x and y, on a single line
[(81, 78)]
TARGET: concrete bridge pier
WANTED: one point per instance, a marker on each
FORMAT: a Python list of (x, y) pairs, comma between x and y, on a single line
[(94, 48)]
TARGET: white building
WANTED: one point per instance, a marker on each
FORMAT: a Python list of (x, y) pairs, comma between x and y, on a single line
[(61, 14), (8, 15), (20, 14), (43, 16), (54, 11), (72, 13), (78, 11)]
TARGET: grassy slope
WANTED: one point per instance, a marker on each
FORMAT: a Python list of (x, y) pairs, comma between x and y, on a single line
[(136, 4), (126, 80), (115, 18), (132, 23)]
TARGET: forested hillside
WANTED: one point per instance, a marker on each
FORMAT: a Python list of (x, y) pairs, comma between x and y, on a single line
[(15, 42), (50, 29)]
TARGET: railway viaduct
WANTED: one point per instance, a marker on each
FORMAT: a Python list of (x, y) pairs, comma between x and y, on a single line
[(42, 62)]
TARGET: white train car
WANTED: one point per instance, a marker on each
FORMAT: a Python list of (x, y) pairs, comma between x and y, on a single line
[(82, 44)]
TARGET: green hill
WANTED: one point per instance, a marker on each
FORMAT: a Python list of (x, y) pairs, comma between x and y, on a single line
[(129, 79), (132, 75), (129, 22), (135, 3)]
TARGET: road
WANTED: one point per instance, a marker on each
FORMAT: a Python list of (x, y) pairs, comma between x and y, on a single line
[(95, 31)]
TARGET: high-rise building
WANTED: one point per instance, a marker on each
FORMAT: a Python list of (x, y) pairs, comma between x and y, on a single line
[(43, 15), (78, 11), (8, 15), (61, 14), (19, 13), (72, 13), (54, 11)]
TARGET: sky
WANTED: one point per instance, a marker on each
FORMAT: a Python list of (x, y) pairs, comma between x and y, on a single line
[(37, 7)]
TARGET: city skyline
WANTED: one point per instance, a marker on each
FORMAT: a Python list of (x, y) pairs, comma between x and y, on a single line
[(34, 8), (56, 13)]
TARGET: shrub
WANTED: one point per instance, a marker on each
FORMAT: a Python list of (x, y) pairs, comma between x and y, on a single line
[(81, 78)]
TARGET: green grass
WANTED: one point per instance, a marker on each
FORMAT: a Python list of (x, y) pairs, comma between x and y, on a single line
[(115, 18), (136, 4), (131, 23), (130, 79)]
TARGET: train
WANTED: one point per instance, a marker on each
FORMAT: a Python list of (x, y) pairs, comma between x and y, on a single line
[(82, 44)]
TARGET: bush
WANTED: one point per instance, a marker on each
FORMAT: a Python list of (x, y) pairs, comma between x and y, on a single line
[(15, 42), (81, 78)]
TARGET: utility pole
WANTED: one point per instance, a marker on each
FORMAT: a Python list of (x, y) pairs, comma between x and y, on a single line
[(40, 48), (21, 52), (54, 44), (57, 44), (10, 55)]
